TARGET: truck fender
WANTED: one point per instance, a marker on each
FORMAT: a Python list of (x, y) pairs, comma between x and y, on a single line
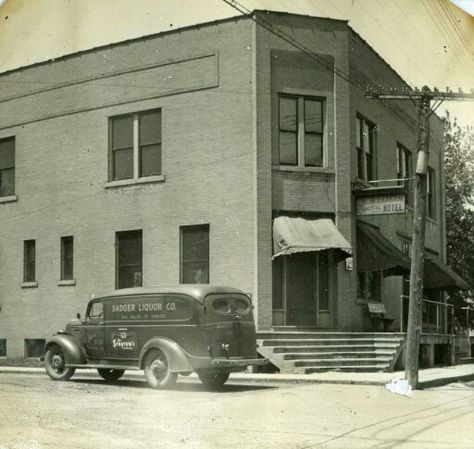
[(178, 360), (73, 354)]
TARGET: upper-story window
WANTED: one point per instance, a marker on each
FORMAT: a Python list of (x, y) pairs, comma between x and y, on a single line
[(404, 170), (135, 145), (301, 131), (431, 194), (365, 149), (7, 167)]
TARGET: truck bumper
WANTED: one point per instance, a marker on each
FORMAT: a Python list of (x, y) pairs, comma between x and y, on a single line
[(236, 363)]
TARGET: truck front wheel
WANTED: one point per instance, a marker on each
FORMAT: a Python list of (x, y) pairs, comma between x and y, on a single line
[(55, 364)]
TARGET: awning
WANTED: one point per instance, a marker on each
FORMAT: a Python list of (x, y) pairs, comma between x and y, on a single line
[(377, 253), (296, 235), (437, 275)]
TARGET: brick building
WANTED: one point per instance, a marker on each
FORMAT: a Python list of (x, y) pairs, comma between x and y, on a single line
[(165, 159)]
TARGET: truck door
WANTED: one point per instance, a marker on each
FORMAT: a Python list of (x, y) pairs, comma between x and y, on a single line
[(95, 331)]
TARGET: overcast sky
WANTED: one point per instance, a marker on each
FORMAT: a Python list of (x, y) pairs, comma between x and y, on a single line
[(426, 41)]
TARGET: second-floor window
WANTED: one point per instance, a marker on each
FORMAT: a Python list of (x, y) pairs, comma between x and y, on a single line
[(365, 149), (431, 194), (7, 166), (404, 170), (135, 147), (67, 258), (29, 261), (301, 131)]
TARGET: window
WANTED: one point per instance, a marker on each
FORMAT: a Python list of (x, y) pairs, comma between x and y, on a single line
[(404, 170), (96, 312), (365, 149), (431, 194), (3, 347), (135, 150), (34, 347), (7, 167), (368, 285), (301, 131), (195, 254), (29, 261), (129, 264), (67, 258)]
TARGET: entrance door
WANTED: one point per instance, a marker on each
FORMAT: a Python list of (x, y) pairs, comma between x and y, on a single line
[(301, 292)]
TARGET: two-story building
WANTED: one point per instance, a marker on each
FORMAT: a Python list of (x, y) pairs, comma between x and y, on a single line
[(233, 153)]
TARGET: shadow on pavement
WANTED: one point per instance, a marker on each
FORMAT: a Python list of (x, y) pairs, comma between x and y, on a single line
[(181, 385)]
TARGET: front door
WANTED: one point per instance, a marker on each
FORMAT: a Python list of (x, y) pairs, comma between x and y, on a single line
[(302, 290)]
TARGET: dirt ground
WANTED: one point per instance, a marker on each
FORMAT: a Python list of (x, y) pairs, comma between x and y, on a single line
[(88, 413)]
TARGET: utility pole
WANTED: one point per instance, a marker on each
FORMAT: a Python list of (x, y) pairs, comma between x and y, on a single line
[(423, 99)]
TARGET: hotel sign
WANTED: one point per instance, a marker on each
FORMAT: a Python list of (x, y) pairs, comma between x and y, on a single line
[(381, 204)]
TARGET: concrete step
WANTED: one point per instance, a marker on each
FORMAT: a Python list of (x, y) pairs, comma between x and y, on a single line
[(380, 362), (326, 335), (389, 347), (386, 355), (325, 342), (347, 369)]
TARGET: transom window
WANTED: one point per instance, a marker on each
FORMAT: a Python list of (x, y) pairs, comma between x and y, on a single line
[(135, 149), (7, 167), (301, 131), (365, 149)]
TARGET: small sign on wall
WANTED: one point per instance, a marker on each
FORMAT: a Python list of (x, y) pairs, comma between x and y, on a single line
[(381, 204), (349, 264)]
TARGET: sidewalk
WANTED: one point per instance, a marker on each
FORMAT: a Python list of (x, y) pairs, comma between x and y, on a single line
[(432, 377)]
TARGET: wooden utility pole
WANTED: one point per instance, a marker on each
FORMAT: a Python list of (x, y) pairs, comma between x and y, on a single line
[(423, 100)]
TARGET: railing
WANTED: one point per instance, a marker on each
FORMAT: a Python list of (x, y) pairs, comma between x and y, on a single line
[(437, 324), (444, 322)]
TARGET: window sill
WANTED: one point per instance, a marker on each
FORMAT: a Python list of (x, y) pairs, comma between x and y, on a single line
[(8, 199), (132, 182), (292, 168), (33, 284), (66, 283)]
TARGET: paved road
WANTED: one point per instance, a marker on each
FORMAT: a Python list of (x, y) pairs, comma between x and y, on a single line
[(37, 413)]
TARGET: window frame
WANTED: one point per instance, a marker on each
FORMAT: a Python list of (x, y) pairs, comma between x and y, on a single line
[(361, 153), (182, 262), (136, 149), (301, 153), (29, 266), (63, 276), (117, 258), (405, 170), (431, 210), (12, 167)]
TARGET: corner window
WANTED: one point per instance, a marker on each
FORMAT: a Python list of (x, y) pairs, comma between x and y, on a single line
[(404, 170), (365, 142), (29, 261), (301, 131), (431, 194), (67, 258), (368, 285), (7, 166), (135, 145), (129, 259), (195, 254)]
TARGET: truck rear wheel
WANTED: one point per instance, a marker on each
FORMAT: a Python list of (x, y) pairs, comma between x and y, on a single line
[(213, 380), (55, 364), (109, 374), (157, 370)]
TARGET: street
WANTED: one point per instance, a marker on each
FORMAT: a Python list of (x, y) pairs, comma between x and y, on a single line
[(86, 412)]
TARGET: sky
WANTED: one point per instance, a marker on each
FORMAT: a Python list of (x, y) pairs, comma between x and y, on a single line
[(426, 41)]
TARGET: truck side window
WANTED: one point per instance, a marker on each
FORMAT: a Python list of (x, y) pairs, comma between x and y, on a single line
[(96, 312)]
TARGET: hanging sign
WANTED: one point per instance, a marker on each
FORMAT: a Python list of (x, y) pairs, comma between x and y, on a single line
[(381, 201)]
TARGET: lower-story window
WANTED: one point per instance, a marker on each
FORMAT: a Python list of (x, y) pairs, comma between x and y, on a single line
[(195, 254), (129, 259), (3, 347), (369, 285), (34, 347)]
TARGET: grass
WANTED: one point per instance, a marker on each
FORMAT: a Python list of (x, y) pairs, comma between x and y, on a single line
[(21, 361)]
